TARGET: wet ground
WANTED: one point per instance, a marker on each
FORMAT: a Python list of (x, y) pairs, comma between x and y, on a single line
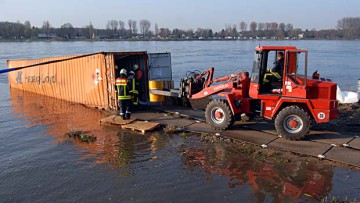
[(38, 163)]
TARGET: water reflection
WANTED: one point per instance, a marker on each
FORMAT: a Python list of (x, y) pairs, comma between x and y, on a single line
[(120, 148), (285, 181), (127, 152)]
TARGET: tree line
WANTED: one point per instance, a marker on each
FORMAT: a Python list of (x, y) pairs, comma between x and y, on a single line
[(347, 28)]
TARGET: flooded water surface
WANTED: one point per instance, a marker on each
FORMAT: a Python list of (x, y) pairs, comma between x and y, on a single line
[(39, 164)]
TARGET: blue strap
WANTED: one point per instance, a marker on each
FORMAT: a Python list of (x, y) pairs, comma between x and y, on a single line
[(7, 70)]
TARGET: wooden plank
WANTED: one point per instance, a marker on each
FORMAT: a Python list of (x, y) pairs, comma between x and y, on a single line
[(165, 93), (116, 120), (141, 126)]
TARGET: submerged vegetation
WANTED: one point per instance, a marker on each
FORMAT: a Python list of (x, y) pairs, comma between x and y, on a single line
[(82, 136), (172, 129)]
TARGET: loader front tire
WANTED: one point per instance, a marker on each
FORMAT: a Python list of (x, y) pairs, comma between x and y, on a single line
[(292, 123), (219, 115)]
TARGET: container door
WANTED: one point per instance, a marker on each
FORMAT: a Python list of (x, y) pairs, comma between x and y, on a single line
[(110, 76), (160, 66)]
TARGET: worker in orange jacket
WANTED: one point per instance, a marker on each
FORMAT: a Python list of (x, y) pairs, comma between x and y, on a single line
[(138, 79)]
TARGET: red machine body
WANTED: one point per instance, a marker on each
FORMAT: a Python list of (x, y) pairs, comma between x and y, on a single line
[(292, 101)]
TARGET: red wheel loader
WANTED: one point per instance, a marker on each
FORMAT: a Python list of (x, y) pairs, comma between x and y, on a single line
[(294, 101)]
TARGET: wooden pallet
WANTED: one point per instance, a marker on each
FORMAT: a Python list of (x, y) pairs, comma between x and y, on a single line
[(116, 120), (141, 126)]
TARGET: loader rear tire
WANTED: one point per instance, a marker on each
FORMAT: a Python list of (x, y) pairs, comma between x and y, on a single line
[(293, 123), (219, 115)]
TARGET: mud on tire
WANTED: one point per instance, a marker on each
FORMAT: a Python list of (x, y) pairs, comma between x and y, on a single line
[(219, 115), (293, 123)]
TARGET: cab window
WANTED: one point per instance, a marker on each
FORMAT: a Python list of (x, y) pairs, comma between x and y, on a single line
[(271, 59), (297, 67), (256, 67)]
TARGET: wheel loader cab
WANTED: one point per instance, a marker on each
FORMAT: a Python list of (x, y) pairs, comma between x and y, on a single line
[(292, 72), (269, 84)]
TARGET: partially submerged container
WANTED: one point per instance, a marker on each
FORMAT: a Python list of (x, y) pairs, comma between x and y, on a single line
[(88, 79)]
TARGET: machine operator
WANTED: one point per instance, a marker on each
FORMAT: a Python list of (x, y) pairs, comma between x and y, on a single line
[(277, 70)]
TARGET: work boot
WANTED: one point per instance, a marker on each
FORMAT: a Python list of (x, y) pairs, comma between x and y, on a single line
[(128, 115), (123, 116)]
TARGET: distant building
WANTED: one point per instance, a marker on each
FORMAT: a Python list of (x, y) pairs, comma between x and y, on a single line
[(46, 36), (172, 36), (301, 36)]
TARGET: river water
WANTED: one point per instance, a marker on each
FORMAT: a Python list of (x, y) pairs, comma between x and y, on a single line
[(38, 164)]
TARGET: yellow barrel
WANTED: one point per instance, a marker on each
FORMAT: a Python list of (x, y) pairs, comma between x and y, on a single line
[(156, 85)]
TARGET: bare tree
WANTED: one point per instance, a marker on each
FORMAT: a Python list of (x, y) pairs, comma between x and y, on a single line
[(156, 30), (113, 25), (274, 26), (289, 27), (253, 26), (164, 32), (261, 26), (190, 33), (130, 23), (282, 27), (202, 32), (267, 26), (349, 27), (280, 34), (144, 27), (121, 25), (228, 28), (242, 26), (234, 32), (46, 27), (294, 33), (134, 27), (27, 29), (90, 31), (122, 30), (67, 30)]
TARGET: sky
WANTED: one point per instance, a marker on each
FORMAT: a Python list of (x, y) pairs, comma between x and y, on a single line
[(183, 14)]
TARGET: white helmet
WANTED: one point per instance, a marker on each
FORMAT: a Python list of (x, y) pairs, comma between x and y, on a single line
[(131, 73), (136, 66), (123, 72)]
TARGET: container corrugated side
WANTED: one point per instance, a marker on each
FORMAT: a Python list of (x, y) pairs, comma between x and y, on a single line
[(81, 80)]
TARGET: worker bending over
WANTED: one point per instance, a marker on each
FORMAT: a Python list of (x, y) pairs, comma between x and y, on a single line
[(124, 96), (277, 71), (133, 90)]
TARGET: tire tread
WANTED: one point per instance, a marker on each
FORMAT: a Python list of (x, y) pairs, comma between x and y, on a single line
[(229, 121), (292, 110)]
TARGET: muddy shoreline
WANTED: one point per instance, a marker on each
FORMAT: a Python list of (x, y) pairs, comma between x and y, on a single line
[(348, 121)]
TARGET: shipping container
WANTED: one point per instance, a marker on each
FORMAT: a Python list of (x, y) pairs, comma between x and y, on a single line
[(87, 79)]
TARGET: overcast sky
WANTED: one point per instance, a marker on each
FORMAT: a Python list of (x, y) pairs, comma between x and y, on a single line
[(306, 14)]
